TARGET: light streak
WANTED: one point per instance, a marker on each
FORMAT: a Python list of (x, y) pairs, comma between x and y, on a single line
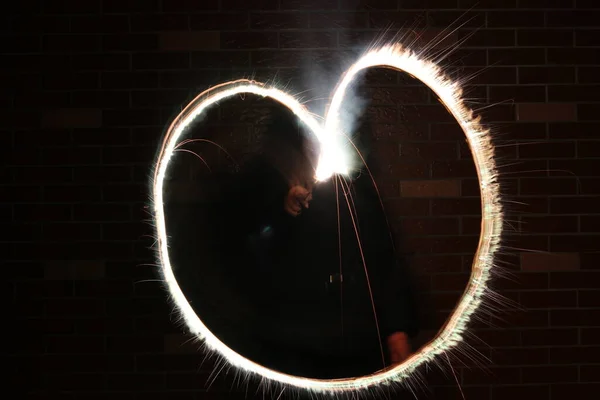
[(334, 160)]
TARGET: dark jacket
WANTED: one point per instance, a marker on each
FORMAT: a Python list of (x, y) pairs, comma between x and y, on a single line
[(289, 270)]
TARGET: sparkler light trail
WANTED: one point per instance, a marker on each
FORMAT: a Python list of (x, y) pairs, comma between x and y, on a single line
[(334, 160)]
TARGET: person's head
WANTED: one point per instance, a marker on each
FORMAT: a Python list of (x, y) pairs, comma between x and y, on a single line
[(290, 148)]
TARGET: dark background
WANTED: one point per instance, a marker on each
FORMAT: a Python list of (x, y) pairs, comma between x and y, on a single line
[(87, 88)]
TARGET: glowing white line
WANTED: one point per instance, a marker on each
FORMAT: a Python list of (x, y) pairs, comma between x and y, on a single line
[(332, 160)]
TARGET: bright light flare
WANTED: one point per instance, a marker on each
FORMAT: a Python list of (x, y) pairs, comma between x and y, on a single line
[(334, 159)]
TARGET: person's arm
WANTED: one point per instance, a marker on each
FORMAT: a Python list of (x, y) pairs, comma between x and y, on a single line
[(396, 305)]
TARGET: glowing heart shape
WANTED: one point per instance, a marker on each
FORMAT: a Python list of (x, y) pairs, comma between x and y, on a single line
[(332, 161)]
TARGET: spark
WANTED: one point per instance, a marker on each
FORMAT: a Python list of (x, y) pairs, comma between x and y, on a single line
[(334, 159)]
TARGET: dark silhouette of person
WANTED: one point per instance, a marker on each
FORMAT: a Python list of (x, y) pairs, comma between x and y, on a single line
[(302, 296)]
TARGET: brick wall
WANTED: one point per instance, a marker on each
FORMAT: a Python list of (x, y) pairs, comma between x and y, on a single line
[(88, 86)]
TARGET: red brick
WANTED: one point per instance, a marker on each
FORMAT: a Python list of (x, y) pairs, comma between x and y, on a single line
[(43, 289), (99, 24), (436, 151), (430, 188), (531, 75), (429, 39), (72, 118), (182, 41), (548, 299), (153, 382), (492, 376), (575, 94), (588, 74), (589, 373), (435, 263), (550, 374), (590, 261), (588, 149), (161, 22), (294, 40), (574, 243), (519, 131), (570, 18), (471, 225), (174, 362), (520, 356), (72, 232), (570, 130), (382, 19), (71, 44), (187, 79), (189, 6), (487, 4), (249, 4), (42, 212), (548, 186), (549, 224), (525, 319), (519, 94), (462, 206), (580, 317), (170, 60), (154, 325), (574, 205), (63, 81), (129, 117), (468, 18), (572, 56), (128, 42), (575, 280), (402, 170), (103, 289), (397, 95), (215, 59), (326, 20), (181, 344), (588, 112), (308, 4), (550, 337), (521, 392), (71, 307), (429, 226), (454, 169), (550, 112), (549, 262), (101, 62), (579, 167), (588, 336), (575, 354), (75, 381), (519, 57), (445, 282), (101, 212), (133, 344), (269, 21), (474, 59), (589, 298), (590, 223), (105, 325), (547, 150), (125, 193), (40, 24), (249, 40), (486, 38), (70, 7), (510, 19), (523, 281), (544, 37)]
